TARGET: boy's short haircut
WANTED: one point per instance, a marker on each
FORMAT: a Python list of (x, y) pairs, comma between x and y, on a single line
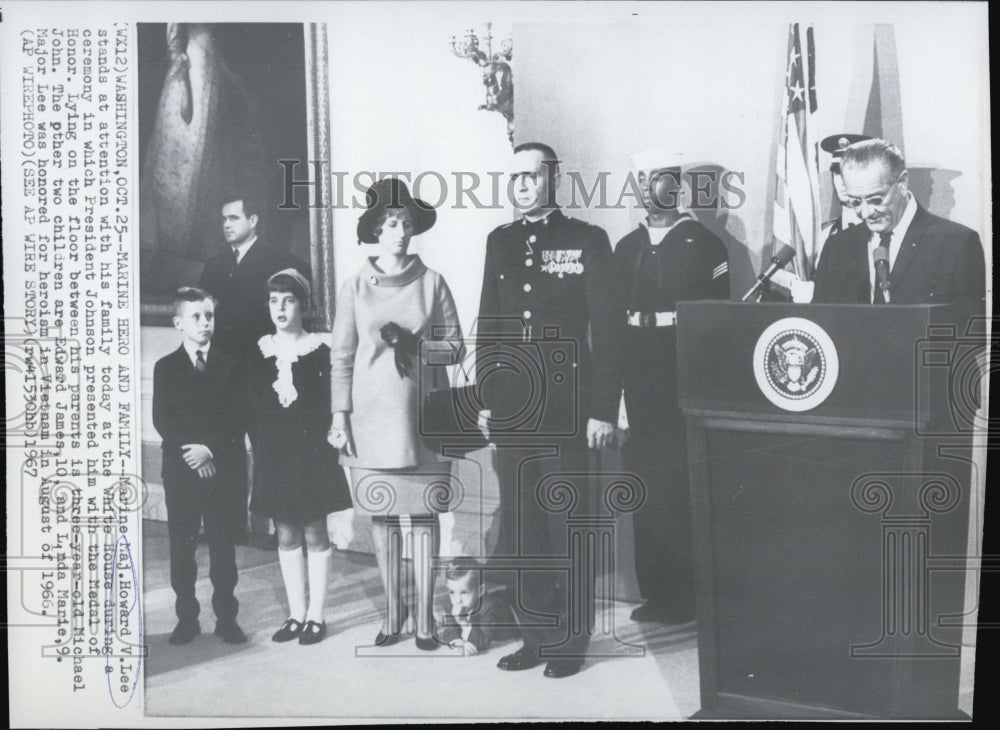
[(461, 568), (191, 294)]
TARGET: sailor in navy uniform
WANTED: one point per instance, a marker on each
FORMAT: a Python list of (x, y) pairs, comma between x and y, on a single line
[(847, 216), (548, 392), (670, 257)]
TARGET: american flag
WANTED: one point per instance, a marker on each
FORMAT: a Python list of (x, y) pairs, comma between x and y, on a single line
[(796, 192)]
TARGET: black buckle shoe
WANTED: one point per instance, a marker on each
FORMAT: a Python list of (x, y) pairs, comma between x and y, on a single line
[(313, 632), (289, 630)]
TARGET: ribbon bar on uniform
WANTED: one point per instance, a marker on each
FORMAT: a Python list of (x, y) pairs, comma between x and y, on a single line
[(652, 319)]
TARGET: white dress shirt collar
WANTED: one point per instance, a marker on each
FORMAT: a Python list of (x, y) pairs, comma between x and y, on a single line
[(242, 248), (898, 234), (192, 350)]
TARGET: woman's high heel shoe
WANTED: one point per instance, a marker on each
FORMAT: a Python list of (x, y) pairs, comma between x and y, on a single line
[(428, 644), (384, 639)]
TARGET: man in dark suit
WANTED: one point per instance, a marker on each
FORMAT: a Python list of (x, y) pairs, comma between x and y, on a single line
[(548, 392), (930, 260), (237, 278), (197, 394)]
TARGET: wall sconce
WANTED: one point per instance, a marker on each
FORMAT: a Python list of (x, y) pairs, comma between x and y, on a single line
[(497, 76)]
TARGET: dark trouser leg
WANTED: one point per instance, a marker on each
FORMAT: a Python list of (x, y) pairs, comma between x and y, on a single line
[(183, 522), (656, 452), (662, 526), (508, 519), (545, 594), (222, 554), (507, 512)]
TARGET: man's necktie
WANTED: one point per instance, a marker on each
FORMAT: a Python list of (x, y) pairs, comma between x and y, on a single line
[(235, 261), (884, 241), (199, 363)]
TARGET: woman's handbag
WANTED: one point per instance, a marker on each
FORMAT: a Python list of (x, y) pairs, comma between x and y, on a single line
[(449, 420)]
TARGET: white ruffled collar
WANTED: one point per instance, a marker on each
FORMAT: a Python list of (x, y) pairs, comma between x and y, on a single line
[(294, 349), (286, 353)]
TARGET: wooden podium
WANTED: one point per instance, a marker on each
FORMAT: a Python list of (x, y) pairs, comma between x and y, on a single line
[(829, 450)]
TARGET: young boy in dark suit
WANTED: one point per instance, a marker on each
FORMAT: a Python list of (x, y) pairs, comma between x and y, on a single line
[(474, 619), (196, 396)]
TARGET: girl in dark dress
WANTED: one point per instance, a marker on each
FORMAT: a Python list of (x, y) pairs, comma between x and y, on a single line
[(297, 478)]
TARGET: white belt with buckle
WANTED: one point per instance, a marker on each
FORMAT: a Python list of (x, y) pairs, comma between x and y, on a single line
[(652, 319)]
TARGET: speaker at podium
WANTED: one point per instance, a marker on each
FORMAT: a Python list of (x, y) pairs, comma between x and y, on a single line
[(830, 466)]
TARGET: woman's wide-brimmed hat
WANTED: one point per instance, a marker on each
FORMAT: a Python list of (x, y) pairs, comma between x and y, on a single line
[(391, 194)]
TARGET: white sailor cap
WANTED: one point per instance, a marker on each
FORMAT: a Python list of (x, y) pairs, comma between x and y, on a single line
[(657, 158)]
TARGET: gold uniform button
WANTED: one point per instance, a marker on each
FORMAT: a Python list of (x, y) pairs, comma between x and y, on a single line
[(527, 314), (532, 238), (528, 262), (527, 287)]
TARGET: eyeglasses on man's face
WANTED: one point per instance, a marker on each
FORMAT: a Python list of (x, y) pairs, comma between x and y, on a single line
[(872, 201)]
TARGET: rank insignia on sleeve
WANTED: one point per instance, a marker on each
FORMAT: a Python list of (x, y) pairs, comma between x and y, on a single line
[(562, 261)]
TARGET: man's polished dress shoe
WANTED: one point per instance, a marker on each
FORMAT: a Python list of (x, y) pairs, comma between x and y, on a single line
[(559, 668), (184, 632), (649, 611), (663, 613), (230, 632), (524, 658)]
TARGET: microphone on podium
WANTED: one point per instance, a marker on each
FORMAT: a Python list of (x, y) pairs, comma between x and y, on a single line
[(778, 262), (881, 256)]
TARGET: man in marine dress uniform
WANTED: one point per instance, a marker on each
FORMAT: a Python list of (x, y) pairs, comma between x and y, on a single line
[(548, 395), (670, 257)]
